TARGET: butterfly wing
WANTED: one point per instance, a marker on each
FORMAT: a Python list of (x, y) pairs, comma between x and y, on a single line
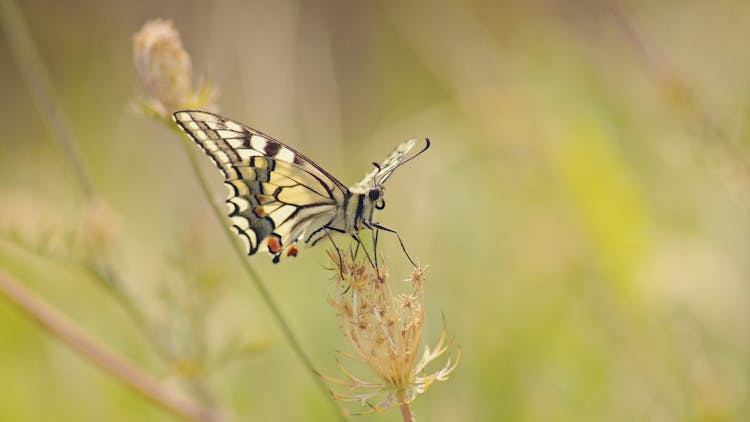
[(396, 157), (277, 196)]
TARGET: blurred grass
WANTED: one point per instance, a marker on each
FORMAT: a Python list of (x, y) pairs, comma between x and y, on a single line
[(585, 228)]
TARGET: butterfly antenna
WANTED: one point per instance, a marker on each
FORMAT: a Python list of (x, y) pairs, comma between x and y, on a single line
[(425, 148)]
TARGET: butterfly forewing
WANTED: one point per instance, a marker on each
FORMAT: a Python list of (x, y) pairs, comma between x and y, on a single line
[(276, 195), (381, 173)]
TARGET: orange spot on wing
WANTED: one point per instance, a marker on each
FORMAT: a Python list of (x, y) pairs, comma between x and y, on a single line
[(273, 245), (259, 211), (262, 199), (292, 251)]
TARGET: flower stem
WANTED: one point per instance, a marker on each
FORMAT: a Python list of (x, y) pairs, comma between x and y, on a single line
[(38, 82), (265, 294), (71, 334), (406, 414)]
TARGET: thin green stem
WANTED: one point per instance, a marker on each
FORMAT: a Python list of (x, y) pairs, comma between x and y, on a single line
[(38, 82), (265, 294)]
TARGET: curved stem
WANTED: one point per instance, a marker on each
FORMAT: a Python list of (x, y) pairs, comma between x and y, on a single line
[(253, 275), (74, 336)]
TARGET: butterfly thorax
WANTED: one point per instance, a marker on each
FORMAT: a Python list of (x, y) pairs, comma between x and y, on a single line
[(360, 205)]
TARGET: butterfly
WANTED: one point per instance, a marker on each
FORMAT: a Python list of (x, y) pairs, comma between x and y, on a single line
[(280, 200)]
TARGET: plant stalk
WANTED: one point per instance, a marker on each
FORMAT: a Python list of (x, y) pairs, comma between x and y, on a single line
[(406, 414), (62, 327), (38, 82)]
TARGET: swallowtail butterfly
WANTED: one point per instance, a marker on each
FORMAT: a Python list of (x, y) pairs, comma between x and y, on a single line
[(279, 199)]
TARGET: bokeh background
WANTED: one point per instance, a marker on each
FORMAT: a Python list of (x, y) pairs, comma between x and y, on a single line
[(583, 210)]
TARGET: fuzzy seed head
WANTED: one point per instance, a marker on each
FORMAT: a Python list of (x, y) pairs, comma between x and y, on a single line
[(165, 71)]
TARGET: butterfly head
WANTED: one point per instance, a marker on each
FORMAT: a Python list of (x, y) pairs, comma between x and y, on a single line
[(376, 190), (375, 195), (374, 182)]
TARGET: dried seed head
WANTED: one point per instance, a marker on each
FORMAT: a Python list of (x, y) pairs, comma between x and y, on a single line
[(165, 71), (385, 331)]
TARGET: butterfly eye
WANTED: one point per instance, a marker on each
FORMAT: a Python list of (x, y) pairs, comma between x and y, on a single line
[(380, 204), (374, 194)]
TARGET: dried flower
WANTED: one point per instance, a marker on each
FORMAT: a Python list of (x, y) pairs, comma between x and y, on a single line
[(165, 71), (385, 330)]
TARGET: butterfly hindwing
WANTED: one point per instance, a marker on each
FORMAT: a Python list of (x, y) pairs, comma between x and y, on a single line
[(275, 193)]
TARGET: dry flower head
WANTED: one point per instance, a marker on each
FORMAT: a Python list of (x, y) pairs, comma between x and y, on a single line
[(385, 330), (165, 71)]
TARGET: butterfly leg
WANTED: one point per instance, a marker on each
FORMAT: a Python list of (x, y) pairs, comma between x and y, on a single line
[(341, 260), (403, 247), (356, 238), (375, 237), (338, 252), (375, 232), (356, 251), (373, 264), (327, 230)]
